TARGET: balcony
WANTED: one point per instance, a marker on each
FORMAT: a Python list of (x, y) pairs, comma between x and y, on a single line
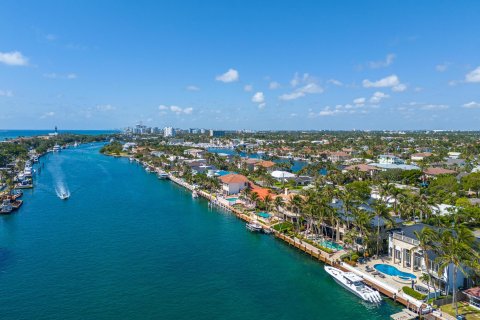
[(401, 237)]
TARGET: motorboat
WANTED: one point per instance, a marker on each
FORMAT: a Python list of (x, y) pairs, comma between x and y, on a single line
[(254, 226), (6, 207), (194, 194), (64, 196), (56, 148), (162, 175), (354, 283)]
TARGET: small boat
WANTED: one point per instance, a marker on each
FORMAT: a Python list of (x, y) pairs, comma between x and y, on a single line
[(254, 226), (267, 231), (56, 148), (64, 196), (194, 194), (6, 207), (16, 204), (162, 175), (75, 144), (354, 283)]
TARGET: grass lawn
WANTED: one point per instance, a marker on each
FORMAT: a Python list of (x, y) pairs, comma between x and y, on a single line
[(463, 308)]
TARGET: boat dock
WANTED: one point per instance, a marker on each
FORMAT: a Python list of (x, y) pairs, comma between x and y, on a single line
[(413, 306), (405, 314)]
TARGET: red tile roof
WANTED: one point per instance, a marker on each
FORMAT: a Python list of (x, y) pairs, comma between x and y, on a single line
[(475, 292), (266, 164), (233, 178), (362, 167), (437, 171)]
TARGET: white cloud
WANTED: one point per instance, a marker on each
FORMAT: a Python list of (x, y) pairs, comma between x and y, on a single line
[(377, 97), (399, 88), (442, 67), (188, 110), (193, 88), (274, 85), (473, 76), (390, 81), (434, 107), (295, 80), (248, 88), (47, 114), (230, 76), (359, 102), (335, 82), (6, 93), (53, 75), (175, 109), (472, 105), (292, 96), (14, 58), (309, 87), (383, 63), (258, 97), (105, 107), (262, 105)]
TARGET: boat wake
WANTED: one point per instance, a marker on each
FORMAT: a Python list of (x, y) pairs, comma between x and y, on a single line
[(62, 191)]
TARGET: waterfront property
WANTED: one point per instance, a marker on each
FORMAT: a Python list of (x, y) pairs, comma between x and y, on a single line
[(404, 251), (233, 183)]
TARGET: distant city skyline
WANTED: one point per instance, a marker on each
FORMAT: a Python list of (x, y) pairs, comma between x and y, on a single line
[(283, 65)]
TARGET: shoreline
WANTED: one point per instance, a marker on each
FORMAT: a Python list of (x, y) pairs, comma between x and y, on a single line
[(315, 253)]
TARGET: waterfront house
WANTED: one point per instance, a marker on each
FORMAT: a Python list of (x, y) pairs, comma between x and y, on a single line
[(404, 251), (388, 161), (338, 156), (233, 183), (196, 153), (454, 155)]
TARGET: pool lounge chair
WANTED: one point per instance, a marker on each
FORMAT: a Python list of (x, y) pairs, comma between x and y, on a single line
[(369, 269)]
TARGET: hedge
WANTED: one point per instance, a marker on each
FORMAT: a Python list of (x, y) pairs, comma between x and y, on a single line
[(413, 293)]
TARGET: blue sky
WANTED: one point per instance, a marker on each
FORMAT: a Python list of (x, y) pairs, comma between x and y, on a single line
[(240, 64)]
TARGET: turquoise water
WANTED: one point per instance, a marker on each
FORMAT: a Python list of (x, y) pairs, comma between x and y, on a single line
[(127, 245), (393, 271), (330, 245), (7, 134), (263, 214), (233, 200)]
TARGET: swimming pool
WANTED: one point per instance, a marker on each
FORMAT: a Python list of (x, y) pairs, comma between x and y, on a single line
[(393, 271), (232, 200), (264, 214), (330, 245)]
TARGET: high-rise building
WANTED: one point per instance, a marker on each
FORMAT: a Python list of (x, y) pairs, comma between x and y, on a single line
[(168, 132), (217, 133)]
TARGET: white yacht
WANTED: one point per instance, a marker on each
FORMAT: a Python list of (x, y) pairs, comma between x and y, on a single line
[(194, 194), (6, 207), (354, 283), (254, 226), (162, 175), (56, 148)]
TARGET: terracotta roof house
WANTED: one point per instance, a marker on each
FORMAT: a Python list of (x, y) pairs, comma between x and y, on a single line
[(233, 183), (420, 156), (362, 167), (433, 172), (269, 165)]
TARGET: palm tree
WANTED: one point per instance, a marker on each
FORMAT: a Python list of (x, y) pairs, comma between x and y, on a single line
[(254, 197), (456, 250), (426, 239), (381, 213), (268, 202)]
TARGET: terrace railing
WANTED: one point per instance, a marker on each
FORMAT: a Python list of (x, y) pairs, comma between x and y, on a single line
[(401, 237)]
